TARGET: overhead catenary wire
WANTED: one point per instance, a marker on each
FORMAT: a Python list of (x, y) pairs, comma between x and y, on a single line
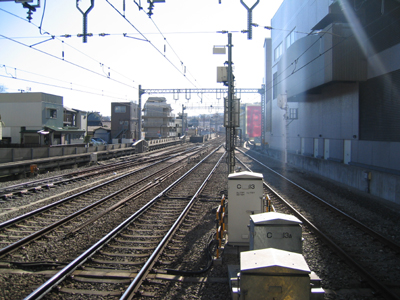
[(147, 40), (66, 88), (124, 34), (55, 79), (67, 61), (173, 50), (63, 42), (41, 21), (182, 71)]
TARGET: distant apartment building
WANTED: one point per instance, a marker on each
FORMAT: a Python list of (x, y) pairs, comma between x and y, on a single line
[(124, 121), (34, 119), (158, 119)]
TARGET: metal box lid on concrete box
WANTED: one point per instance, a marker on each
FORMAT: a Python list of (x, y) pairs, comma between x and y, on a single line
[(274, 274), (275, 230), (246, 175), (245, 197)]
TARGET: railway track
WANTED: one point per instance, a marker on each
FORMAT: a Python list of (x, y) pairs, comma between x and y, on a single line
[(370, 253), (72, 213), (117, 265)]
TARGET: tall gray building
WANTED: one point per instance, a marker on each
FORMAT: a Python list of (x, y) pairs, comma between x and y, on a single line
[(332, 91)]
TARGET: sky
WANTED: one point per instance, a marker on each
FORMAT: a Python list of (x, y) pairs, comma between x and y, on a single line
[(171, 50)]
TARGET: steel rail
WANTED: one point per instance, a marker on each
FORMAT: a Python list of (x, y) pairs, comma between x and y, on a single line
[(6, 250), (373, 282), (135, 284), (45, 288), (394, 246), (44, 208)]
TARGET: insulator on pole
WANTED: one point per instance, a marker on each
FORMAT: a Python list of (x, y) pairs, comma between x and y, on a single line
[(249, 18)]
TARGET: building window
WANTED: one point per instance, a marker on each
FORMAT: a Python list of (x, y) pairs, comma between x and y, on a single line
[(52, 113), (293, 114), (120, 109), (278, 52), (290, 38)]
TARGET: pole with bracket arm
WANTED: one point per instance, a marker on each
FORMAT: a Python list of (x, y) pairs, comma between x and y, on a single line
[(249, 18), (230, 129)]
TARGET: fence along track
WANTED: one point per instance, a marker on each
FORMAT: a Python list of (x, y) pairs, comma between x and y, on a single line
[(34, 185), (126, 233)]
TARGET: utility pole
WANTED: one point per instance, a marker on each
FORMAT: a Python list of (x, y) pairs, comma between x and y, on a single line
[(183, 122), (141, 92), (230, 129)]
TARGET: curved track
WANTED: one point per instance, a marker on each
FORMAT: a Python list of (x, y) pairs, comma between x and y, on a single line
[(132, 248), (93, 202), (132, 161)]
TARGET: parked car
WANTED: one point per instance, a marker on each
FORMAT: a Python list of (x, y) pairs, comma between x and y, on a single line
[(98, 141)]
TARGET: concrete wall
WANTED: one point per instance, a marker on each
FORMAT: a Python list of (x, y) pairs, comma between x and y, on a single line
[(383, 184), (19, 154)]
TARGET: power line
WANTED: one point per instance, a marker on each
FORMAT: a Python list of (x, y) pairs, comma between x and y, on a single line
[(52, 78), (41, 21), (147, 40), (69, 62), (53, 36), (165, 39), (66, 88), (125, 34)]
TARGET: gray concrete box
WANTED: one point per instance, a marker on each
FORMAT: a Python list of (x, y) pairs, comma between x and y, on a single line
[(272, 274), (93, 157), (275, 230), (245, 197)]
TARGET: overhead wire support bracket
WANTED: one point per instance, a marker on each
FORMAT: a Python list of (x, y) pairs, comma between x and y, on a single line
[(135, 38), (139, 5), (85, 18), (52, 38), (249, 18), (30, 8), (15, 72), (151, 6)]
